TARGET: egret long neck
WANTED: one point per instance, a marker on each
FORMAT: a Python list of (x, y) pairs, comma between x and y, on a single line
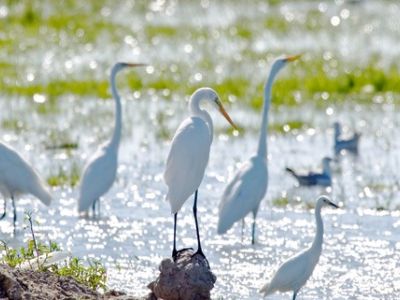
[(116, 137), (197, 111), (317, 243), (262, 144)]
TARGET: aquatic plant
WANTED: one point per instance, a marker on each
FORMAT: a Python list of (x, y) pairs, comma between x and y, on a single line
[(35, 255)]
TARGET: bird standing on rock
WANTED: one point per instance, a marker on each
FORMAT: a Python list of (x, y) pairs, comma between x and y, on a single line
[(294, 272), (18, 177), (188, 156), (245, 191)]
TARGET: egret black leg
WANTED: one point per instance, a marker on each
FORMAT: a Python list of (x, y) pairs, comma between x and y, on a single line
[(94, 208), (294, 295), (15, 212), (4, 211), (241, 239), (174, 252), (253, 229), (199, 249)]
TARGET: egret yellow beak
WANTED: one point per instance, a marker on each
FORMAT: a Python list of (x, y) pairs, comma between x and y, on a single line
[(225, 114), (135, 65), (293, 57)]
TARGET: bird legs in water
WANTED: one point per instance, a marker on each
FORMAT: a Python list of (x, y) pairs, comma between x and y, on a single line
[(96, 203), (199, 249), (15, 213), (294, 295), (253, 228), (4, 211)]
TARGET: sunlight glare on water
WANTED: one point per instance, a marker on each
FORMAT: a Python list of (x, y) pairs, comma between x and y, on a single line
[(360, 258)]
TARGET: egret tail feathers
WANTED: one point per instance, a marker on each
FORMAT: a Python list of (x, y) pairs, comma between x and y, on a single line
[(175, 200), (42, 194), (265, 290)]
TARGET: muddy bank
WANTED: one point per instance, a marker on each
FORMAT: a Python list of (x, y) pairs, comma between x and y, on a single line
[(18, 284)]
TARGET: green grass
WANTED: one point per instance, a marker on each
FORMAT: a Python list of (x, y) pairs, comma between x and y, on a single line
[(287, 127), (64, 178), (280, 202), (13, 124), (57, 88), (152, 31), (93, 274)]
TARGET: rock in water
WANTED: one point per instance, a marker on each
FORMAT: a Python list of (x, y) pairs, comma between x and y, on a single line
[(189, 277)]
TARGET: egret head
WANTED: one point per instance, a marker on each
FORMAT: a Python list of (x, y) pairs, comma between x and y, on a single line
[(326, 160), (325, 201), (122, 65), (210, 95), (280, 62)]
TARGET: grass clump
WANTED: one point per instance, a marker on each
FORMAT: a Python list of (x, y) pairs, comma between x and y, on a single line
[(37, 254), (280, 202), (64, 178), (287, 127)]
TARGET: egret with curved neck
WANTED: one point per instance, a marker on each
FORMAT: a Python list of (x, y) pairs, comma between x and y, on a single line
[(188, 156), (294, 273), (245, 191), (100, 171)]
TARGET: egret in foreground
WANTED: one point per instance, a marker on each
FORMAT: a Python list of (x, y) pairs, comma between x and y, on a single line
[(312, 178), (18, 177), (294, 272), (99, 173), (340, 144), (188, 156), (245, 191)]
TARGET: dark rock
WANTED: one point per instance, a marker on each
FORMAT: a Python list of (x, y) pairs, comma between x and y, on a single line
[(189, 277)]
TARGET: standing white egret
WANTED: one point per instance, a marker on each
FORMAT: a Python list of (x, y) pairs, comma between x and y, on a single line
[(245, 191), (18, 177), (294, 272), (312, 178), (188, 156), (99, 173)]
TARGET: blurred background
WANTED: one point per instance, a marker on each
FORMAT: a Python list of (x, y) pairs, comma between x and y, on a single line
[(56, 108)]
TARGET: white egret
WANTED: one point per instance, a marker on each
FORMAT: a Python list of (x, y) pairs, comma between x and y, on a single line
[(188, 156), (18, 177), (312, 178), (99, 173), (340, 144), (294, 272), (245, 191)]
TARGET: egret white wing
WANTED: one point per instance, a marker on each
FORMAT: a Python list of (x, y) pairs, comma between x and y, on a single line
[(244, 193), (292, 274), (17, 176), (187, 161), (98, 177)]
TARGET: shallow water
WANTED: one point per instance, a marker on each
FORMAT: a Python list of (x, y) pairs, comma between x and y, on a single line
[(360, 259), (134, 231)]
